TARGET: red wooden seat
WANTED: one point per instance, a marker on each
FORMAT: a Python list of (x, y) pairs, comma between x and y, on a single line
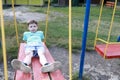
[(113, 50), (19, 75), (36, 66), (110, 4), (57, 75), (38, 75)]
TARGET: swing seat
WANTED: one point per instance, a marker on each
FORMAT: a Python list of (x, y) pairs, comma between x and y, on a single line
[(36, 66), (113, 50)]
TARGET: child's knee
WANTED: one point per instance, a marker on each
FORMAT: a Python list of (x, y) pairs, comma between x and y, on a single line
[(28, 52), (41, 50)]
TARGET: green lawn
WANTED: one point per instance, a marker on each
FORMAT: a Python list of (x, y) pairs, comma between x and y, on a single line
[(26, 2), (58, 27)]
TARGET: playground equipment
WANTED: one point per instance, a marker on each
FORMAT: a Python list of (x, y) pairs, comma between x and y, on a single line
[(84, 38), (3, 41), (37, 74), (107, 49)]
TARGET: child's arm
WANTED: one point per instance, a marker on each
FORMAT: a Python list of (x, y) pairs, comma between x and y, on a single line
[(25, 36), (42, 36)]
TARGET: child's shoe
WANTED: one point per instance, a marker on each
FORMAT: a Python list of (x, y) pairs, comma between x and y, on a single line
[(18, 65), (51, 67)]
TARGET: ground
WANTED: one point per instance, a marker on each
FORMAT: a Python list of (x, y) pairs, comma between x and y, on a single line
[(96, 68)]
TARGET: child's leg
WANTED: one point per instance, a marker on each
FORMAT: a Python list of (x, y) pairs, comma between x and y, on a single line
[(19, 65), (27, 59), (51, 67), (41, 54), (47, 67), (23, 65)]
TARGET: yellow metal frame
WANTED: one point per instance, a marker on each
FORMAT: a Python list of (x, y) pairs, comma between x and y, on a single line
[(16, 29), (46, 29), (110, 29), (70, 40), (70, 34), (3, 41), (98, 25), (15, 23), (104, 41)]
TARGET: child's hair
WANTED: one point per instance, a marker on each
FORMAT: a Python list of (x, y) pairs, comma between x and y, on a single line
[(31, 22)]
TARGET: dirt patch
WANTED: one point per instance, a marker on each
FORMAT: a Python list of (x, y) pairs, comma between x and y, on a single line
[(23, 15), (96, 68)]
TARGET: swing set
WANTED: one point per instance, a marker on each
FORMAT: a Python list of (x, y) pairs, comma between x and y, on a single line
[(107, 49), (37, 74)]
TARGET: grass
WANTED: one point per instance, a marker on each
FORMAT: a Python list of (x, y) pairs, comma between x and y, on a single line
[(76, 77), (58, 27), (26, 2)]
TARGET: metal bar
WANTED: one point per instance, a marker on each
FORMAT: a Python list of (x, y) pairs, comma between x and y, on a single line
[(84, 38)]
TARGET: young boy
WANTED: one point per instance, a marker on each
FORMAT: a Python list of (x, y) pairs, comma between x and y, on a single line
[(34, 47)]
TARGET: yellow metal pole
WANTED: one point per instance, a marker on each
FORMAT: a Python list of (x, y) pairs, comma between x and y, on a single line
[(111, 25), (70, 41), (98, 25), (15, 22), (102, 40), (46, 29), (3, 41)]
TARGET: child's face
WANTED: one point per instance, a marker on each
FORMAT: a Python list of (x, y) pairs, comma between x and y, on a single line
[(32, 27)]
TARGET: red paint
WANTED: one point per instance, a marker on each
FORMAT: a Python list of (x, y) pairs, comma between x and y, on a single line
[(113, 50), (19, 74), (36, 67)]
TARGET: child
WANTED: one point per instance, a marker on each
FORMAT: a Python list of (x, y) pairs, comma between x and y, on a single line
[(34, 45)]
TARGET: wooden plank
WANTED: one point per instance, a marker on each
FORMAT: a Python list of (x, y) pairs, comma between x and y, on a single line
[(56, 75), (19, 74), (38, 75), (36, 66), (113, 50)]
